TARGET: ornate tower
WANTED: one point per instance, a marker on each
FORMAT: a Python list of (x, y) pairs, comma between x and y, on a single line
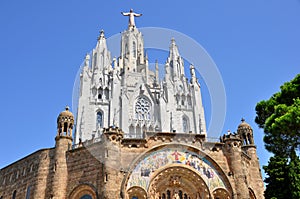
[(124, 93), (63, 142), (243, 163)]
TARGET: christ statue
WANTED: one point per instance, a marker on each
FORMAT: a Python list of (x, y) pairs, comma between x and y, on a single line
[(131, 15)]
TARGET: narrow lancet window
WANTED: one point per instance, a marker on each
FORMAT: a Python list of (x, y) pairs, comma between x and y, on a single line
[(99, 119), (134, 49), (185, 124)]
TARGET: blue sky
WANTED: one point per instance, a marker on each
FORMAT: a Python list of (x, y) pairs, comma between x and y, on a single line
[(255, 44)]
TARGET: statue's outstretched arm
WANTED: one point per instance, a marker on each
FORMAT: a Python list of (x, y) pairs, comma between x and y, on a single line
[(137, 15), (125, 13)]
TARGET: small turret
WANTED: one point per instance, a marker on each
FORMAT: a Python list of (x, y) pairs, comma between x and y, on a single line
[(246, 133), (65, 122)]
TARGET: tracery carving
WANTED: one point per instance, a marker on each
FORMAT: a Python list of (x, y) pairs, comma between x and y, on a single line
[(142, 108)]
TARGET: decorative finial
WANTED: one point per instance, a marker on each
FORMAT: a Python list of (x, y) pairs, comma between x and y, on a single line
[(101, 34), (67, 108), (243, 120), (193, 74), (173, 40), (87, 59), (192, 67), (131, 14)]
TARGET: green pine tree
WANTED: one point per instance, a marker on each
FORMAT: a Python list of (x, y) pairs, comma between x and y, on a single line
[(277, 181), (280, 118)]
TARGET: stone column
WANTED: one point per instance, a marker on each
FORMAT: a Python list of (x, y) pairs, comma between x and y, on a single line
[(60, 169)]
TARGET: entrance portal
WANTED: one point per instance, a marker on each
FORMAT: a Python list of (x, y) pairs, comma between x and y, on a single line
[(178, 182)]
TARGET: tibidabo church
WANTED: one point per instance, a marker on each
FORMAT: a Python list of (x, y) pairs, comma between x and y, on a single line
[(137, 136)]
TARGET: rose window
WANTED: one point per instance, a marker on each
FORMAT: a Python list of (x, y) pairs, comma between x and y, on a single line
[(142, 108)]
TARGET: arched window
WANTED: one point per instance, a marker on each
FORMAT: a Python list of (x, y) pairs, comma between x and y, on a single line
[(83, 192), (131, 131), (100, 93), (189, 100), (14, 194), (134, 197), (28, 193), (134, 49), (185, 124), (94, 91), (138, 131), (106, 93), (126, 50), (185, 196), (95, 59), (65, 127), (86, 196), (168, 194), (180, 194), (99, 119)]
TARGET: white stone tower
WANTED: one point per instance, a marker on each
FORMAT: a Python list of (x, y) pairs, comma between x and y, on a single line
[(123, 92)]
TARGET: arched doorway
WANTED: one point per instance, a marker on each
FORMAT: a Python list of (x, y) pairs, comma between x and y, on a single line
[(221, 194), (136, 193), (251, 194), (83, 192), (178, 182)]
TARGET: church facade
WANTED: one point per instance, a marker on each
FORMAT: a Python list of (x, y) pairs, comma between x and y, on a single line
[(137, 136)]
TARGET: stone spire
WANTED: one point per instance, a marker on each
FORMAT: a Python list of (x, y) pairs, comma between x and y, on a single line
[(101, 55), (175, 61), (101, 64), (132, 56)]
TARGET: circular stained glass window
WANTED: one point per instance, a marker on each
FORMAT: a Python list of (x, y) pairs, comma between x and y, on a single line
[(142, 108)]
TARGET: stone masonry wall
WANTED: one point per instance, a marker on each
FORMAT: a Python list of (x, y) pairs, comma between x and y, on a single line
[(24, 176)]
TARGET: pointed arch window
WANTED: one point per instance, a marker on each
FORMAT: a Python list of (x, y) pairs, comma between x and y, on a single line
[(106, 93), (134, 49), (185, 124), (100, 93), (28, 193), (95, 59), (99, 119), (126, 50), (14, 194), (168, 194)]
